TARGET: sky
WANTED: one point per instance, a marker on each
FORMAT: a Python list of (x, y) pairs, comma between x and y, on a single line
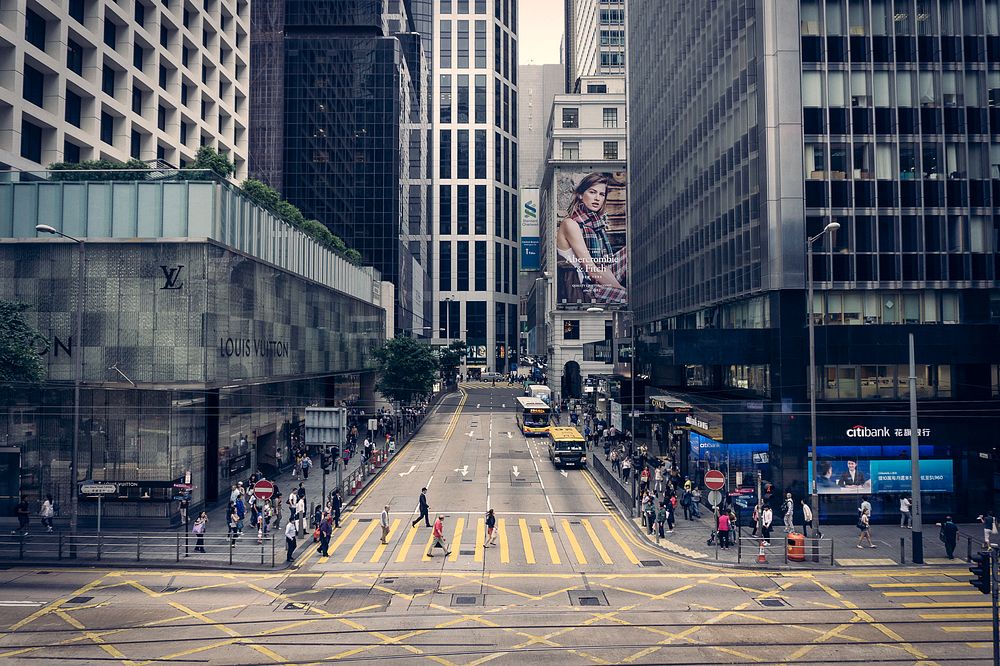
[(540, 31)]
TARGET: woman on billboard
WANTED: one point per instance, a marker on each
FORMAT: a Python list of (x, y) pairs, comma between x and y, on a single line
[(596, 270)]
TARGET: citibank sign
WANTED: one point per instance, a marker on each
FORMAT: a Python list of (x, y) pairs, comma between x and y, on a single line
[(884, 431)]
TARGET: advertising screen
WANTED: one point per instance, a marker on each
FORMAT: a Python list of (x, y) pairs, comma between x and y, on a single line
[(590, 210), (874, 477), (530, 231)]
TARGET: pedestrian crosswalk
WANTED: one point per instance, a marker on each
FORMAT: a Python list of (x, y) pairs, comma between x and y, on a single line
[(954, 603), (543, 541)]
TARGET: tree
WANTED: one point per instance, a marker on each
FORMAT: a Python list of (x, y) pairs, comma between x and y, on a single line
[(208, 158), (451, 358), (20, 343), (406, 369), (99, 170)]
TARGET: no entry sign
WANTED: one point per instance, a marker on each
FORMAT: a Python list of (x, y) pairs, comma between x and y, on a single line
[(263, 490), (715, 480)]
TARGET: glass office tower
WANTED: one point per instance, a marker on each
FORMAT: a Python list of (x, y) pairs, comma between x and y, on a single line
[(777, 118)]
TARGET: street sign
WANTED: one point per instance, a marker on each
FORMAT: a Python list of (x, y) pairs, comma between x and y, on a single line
[(373, 424), (98, 489), (263, 490), (760, 458), (715, 480), (714, 498), (183, 486)]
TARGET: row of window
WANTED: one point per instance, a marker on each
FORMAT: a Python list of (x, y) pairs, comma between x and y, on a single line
[(905, 160), (458, 99), (900, 17), (504, 269), (571, 150), (462, 153), (903, 88), (464, 6), (834, 308), (571, 116), (889, 382), (475, 329), (907, 233)]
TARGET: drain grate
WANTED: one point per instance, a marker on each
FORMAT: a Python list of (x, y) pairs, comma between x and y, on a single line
[(42, 573), (295, 606), (467, 552), (651, 563), (169, 589), (365, 520), (588, 601), (466, 480), (388, 581), (587, 598), (464, 600), (772, 603), (79, 600)]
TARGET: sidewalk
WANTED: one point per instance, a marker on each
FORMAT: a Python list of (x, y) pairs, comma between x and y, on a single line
[(689, 538)]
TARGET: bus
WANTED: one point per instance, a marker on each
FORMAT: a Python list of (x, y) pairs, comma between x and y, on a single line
[(566, 447), (540, 391), (533, 416)]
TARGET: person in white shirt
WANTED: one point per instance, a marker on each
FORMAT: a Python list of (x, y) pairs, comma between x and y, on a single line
[(807, 518), (290, 540), (766, 518), (788, 511), (384, 523), (905, 518)]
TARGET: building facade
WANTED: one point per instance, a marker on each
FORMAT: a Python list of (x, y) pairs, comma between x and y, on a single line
[(341, 129), (209, 326), (775, 120), (593, 42), (475, 179), (110, 80)]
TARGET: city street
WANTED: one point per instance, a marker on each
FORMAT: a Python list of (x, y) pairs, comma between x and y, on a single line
[(568, 579)]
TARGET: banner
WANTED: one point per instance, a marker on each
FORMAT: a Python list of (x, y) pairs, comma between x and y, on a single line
[(874, 477), (530, 229), (590, 210)]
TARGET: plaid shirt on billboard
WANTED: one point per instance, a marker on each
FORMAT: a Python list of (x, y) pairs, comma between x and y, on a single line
[(595, 235)]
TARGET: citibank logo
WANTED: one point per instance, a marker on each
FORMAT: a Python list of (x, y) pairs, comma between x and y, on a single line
[(862, 431)]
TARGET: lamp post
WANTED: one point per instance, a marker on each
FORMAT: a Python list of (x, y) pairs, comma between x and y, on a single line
[(77, 377), (829, 228)]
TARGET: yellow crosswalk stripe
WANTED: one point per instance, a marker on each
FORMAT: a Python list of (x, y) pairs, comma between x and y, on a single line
[(942, 584), (550, 542), (427, 548), (597, 543), (346, 530), (621, 542), (953, 604), (574, 544), (377, 555), (955, 616), (529, 552), (480, 537), (930, 593), (407, 542), (504, 547), (964, 629), (456, 540), (353, 552)]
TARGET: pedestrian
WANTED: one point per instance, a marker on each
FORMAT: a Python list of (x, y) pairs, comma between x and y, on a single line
[(22, 512), (241, 514), (200, 525), (864, 524), (338, 504), (723, 527), (788, 509), (47, 513), (695, 503), (384, 524), (626, 468), (644, 479), (766, 518), (989, 528), (949, 535), (686, 504), (905, 518), (644, 504), (658, 480), (439, 540), (325, 531), (491, 533), (755, 517), (307, 464), (424, 509), (865, 506), (290, 532), (651, 516), (300, 510), (669, 506), (807, 518), (234, 520), (661, 519), (317, 515)]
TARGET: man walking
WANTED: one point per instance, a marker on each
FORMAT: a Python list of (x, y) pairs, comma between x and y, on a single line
[(384, 523), (290, 533), (788, 509), (905, 520), (424, 509), (439, 540), (807, 518), (949, 534), (325, 530), (338, 504)]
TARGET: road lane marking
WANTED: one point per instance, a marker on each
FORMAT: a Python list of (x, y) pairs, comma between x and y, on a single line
[(550, 542), (930, 593), (956, 616), (597, 543), (504, 546), (948, 604), (342, 536), (480, 539), (407, 542), (353, 552), (424, 557), (377, 555), (574, 544), (309, 551), (943, 584), (456, 540), (977, 629), (529, 552), (621, 542)]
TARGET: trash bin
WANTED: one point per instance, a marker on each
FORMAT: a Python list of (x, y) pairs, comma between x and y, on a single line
[(796, 547)]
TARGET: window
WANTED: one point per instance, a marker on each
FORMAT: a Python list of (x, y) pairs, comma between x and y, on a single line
[(480, 266), (107, 128), (184, 94), (185, 56), (135, 145), (33, 86), (184, 133), (34, 29), (161, 118), (497, 273), (444, 156), (163, 77), (610, 150), (140, 14), (74, 57), (110, 32), (481, 154), (445, 99), (612, 59), (462, 204), (480, 99), (71, 152), (480, 209), (462, 154), (463, 45), (612, 37), (571, 329), (445, 39), (76, 10), (444, 266), (612, 17), (136, 100), (74, 105), (462, 266), (31, 141), (108, 80), (137, 57), (571, 117), (462, 103), (571, 150), (611, 117), (481, 44)]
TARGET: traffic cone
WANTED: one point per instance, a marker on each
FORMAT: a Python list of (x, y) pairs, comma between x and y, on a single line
[(761, 556)]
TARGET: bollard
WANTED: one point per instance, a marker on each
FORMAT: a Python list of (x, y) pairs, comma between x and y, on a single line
[(902, 550), (60, 545), (138, 547), (178, 557), (968, 546)]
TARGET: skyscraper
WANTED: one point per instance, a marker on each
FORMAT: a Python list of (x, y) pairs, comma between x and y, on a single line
[(773, 121), (594, 40), (475, 178)]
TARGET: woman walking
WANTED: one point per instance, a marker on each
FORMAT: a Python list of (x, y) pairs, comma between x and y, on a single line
[(864, 524), (48, 511), (491, 524), (200, 523)]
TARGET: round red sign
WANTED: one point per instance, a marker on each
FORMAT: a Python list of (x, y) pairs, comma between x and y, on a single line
[(715, 480), (263, 490)]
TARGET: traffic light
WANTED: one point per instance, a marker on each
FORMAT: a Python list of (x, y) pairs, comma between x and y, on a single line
[(982, 570)]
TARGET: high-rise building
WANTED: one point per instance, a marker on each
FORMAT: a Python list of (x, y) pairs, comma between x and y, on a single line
[(111, 80), (773, 123), (340, 127), (475, 178), (594, 41)]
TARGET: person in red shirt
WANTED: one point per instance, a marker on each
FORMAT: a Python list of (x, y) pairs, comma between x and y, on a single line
[(644, 479), (724, 529), (439, 540)]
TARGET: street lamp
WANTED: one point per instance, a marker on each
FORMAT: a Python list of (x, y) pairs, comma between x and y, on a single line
[(829, 228), (77, 375)]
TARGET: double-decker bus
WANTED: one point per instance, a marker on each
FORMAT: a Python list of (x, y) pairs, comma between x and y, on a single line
[(533, 416)]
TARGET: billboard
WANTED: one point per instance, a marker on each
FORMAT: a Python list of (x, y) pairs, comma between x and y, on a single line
[(873, 477), (591, 262), (530, 231)]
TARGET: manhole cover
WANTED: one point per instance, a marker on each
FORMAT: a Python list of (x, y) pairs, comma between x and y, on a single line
[(651, 563), (295, 606), (575, 522), (79, 600), (589, 601), (587, 598), (467, 552), (418, 590), (365, 520), (464, 600), (772, 602), (388, 581)]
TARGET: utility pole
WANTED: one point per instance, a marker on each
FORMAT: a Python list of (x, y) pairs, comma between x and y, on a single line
[(918, 536)]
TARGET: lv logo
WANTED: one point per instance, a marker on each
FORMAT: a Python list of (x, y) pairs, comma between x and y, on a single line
[(171, 275)]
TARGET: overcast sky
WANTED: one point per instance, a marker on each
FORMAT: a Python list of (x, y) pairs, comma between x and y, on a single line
[(539, 32)]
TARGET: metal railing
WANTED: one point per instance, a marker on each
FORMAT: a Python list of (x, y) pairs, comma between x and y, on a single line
[(152, 547), (785, 549), (611, 479)]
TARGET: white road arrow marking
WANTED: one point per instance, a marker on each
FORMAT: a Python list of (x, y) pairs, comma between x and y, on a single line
[(510, 436), (514, 470), (463, 470), (471, 433), (412, 467), (563, 472)]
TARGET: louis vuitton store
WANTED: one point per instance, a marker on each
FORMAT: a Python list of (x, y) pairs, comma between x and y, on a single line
[(209, 326)]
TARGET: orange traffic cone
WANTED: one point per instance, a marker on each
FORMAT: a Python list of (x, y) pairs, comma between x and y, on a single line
[(761, 556)]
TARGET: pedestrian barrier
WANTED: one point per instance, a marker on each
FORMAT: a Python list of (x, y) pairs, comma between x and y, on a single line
[(796, 549)]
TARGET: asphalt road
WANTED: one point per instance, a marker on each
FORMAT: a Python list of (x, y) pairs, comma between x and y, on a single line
[(568, 580)]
